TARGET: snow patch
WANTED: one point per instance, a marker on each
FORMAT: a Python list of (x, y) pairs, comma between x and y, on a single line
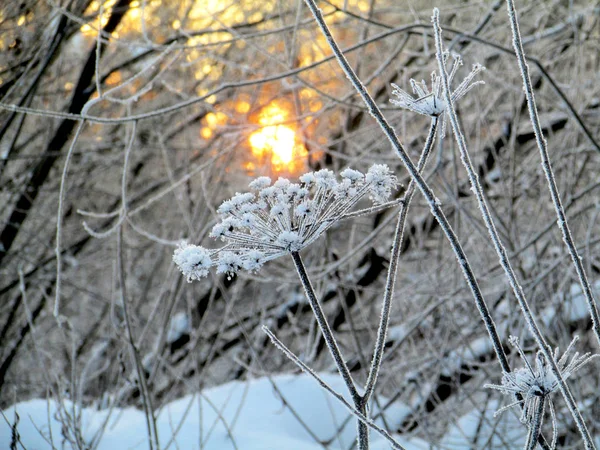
[(252, 415)]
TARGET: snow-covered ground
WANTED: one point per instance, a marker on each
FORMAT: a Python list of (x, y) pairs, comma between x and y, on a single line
[(288, 412), (282, 412)]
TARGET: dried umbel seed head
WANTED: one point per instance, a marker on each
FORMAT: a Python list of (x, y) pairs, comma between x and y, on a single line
[(431, 103), (279, 218), (535, 383), (193, 261)]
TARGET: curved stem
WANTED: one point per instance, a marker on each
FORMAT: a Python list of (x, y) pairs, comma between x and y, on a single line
[(392, 269), (434, 205)]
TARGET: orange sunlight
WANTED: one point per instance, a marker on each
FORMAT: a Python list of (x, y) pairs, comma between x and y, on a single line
[(279, 142)]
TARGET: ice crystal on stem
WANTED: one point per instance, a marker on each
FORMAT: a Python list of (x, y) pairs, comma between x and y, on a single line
[(431, 103), (279, 218)]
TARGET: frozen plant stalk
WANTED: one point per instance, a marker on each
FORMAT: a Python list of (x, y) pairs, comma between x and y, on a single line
[(549, 173), (283, 218), (536, 383), (498, 246)]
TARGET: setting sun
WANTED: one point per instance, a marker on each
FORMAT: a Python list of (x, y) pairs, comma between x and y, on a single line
[(277, 141)]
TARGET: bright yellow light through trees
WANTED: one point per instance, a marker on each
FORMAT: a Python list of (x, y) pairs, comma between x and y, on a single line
[(276, 140)]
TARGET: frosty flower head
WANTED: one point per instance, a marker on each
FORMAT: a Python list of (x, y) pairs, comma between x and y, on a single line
[(193, 261), (378, 178), (431, 102), (280, 218), (229, 263), (536, 382)]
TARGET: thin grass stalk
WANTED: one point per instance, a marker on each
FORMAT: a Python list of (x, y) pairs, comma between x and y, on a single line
[(393, 266), (498, 246), (421, 184), (359, 415), (549, 173), (153, 441)]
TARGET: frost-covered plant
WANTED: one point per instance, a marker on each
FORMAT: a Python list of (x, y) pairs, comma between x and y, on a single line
[(428, 103), (283, 218), (276, 219), (499, 247), (432, 103), (542, 145), (280, 218), (536, 383)]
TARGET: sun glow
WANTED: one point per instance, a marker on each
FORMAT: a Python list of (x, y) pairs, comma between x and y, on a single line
[(277, 141)]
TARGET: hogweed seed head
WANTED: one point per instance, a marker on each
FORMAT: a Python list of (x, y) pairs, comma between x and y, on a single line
[(537, 382), (431, 102), (378, 177), (193, 261), (280, 218)]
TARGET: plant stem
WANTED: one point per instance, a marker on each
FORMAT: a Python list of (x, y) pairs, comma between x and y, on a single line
[(392, 269), (498, 246), (548, 172), (143, 387), (340, 362), (287, 352), (363, 429), (436, 209), (536, 426), (315, 305)]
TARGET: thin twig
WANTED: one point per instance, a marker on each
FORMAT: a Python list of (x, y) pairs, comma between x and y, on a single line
[(362, 418), (143, 387), (548, 172), (61, 200), (390, 31)]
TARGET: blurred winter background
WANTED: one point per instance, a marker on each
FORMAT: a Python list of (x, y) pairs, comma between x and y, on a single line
[(188, 101)]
